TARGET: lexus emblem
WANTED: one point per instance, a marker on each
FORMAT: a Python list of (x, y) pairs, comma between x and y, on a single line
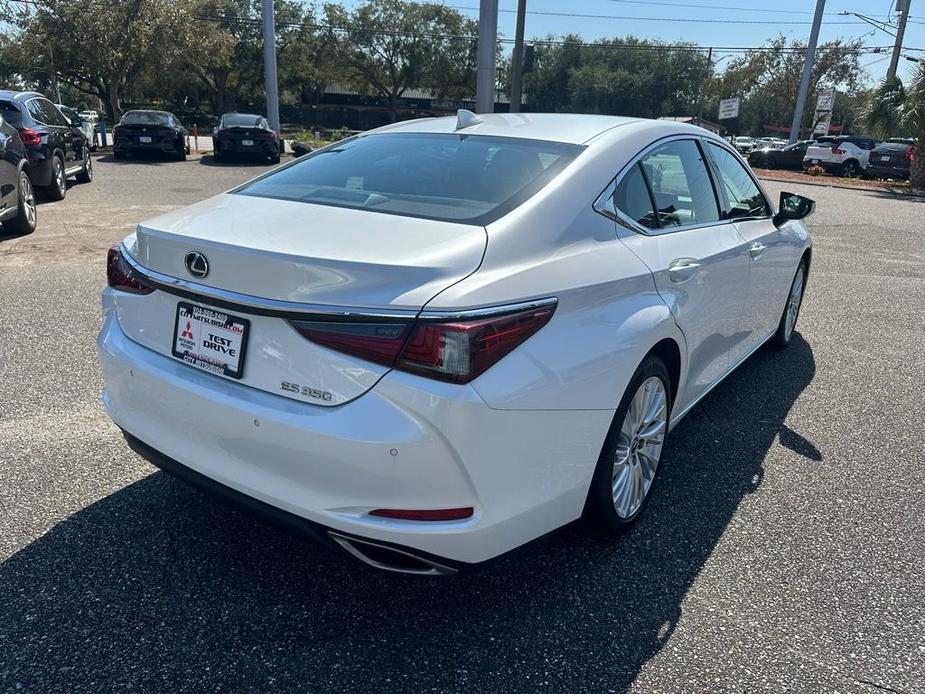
[(196, 264)]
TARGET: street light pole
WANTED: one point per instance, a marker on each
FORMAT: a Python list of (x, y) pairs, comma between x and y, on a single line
[(485, 74), (902, 6), (807, 73), (517, 60), (269, 63)]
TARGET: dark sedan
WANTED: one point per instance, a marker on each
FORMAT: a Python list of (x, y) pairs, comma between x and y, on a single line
[(892, 159), (790, 157), (247, 134), (150, 131)]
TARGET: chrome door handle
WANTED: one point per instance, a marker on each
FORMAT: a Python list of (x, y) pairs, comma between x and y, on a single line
[(756, 249), (682, 269)]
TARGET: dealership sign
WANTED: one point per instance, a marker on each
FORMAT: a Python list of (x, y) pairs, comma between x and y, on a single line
[(822, 118), (729, 108)]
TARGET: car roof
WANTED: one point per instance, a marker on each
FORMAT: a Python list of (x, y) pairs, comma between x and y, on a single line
[(249, 115), (149, 110), (12, 95), (554, 127)]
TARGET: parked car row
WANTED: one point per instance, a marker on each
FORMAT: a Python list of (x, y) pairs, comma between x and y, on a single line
[(841, 155), (40, 148)]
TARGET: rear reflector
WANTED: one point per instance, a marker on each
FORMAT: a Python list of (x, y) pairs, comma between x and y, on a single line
[(452, 350), (119, 274), (445, 514)]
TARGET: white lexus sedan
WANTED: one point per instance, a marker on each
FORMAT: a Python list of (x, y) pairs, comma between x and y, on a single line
[(439, 340)]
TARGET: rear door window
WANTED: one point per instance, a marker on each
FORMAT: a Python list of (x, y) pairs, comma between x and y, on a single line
[(678, 178), (631, 197), (11, 114)]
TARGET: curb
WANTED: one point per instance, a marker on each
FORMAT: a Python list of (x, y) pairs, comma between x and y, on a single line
[(889, 191)]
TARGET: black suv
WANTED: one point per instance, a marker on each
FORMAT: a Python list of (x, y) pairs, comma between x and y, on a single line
[(55, 147), (17, 201)]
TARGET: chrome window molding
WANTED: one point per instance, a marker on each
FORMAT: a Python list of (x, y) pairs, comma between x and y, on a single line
[(751, 174), (292, 310)]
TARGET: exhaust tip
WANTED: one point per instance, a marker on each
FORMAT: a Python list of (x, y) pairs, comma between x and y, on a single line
[(388, 558)]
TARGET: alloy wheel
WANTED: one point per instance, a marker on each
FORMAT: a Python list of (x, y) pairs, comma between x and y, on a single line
[(27, 195), (60, 180), (793, 304), (850, 170), (88, 165), (639, 448)]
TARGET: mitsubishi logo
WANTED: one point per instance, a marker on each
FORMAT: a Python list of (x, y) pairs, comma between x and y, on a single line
[(196, 264)]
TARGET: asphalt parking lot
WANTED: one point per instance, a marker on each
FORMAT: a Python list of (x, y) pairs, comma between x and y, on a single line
[(784, 550)]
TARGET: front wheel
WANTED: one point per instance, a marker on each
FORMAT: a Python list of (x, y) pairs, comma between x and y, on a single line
[(850, 169), (24, 221), (788, 320), (632, 451)]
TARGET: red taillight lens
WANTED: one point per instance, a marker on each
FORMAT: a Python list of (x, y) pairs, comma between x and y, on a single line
[(836, 150), (444, 514), (452, 350), (119, 274), (380, 343), (910, 154), (460, 351), (30, 137)]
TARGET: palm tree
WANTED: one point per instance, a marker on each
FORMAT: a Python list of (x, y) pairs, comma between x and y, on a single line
[(892, 110)]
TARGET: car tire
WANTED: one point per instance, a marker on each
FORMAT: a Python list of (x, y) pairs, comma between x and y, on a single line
[(24, 221), (86, 175), (120, 155), (851, 169), (181, 155), (57, 189), (771, 163), (274, 159), (788, 319), (218, 156), (624, 476)]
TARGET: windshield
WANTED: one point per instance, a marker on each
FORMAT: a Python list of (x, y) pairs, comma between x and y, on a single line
[(232, 120), (146, 118), (456, 178)]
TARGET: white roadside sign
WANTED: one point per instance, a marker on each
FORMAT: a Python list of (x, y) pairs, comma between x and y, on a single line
[(729, 108)]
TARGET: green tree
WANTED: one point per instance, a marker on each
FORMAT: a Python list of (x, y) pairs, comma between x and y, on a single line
[(97, 46), (893, 110), (390, 46)]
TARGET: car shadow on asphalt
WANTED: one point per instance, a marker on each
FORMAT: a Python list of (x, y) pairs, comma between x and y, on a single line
[(142, 158), (158, 588)]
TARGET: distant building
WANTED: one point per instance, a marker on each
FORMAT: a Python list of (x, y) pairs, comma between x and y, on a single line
[(694, 120)]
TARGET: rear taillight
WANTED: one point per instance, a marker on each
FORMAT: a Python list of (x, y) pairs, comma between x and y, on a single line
[(120, 275), (455, 350), (910, 154), (836, 150), (30, 137)]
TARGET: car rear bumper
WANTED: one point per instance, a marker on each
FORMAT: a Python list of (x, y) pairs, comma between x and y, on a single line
[(409, 443), (163, 146), (888, 171), (265, 149)]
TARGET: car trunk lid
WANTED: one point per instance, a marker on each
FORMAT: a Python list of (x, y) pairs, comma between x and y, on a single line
[(288, 258)]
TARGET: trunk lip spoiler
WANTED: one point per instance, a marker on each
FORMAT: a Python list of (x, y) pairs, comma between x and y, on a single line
[(293, 310)]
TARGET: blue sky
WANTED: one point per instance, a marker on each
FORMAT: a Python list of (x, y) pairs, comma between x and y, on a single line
[(766, 19)]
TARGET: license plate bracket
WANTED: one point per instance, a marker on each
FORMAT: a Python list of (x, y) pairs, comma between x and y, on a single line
[(210, 340)]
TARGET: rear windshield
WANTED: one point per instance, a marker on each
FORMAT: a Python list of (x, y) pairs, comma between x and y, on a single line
[(456, 178), (231, 120), (10, 114), (146, 118)]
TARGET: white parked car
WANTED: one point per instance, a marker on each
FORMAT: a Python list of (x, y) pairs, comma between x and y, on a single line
[(744, 144), (436, 341), (844, 156)]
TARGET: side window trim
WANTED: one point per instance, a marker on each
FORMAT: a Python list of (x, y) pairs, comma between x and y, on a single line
[(652, 201)]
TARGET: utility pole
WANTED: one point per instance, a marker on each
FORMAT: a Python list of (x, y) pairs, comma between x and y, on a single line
[(699, 109), (488, 40), (517, 60), (807, 72), (902, 6), (269, 63)]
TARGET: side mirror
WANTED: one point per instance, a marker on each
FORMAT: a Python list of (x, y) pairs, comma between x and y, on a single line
[(793, 206)]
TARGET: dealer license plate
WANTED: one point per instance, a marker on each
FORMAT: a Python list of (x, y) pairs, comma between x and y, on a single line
[(247, 143), (144, 139), (210, 340)]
